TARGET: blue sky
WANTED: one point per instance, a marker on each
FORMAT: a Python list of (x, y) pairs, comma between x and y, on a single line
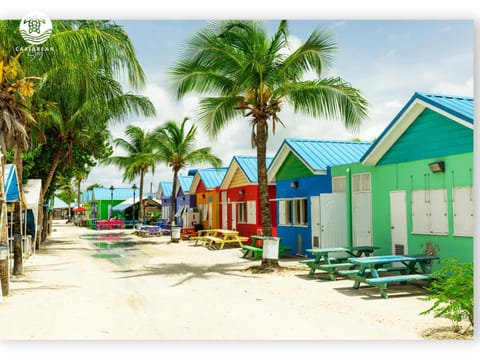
[(388, 50), (388, 60)]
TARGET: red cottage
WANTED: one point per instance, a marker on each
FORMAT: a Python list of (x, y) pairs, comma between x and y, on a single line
[(239, 198)]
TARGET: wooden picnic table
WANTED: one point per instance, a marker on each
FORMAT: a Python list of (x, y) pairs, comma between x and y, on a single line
[(219, 237), (332, 259), (413, 267), (256, 248)]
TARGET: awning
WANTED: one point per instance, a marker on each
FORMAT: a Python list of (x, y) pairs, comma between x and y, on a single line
[(183, 209)]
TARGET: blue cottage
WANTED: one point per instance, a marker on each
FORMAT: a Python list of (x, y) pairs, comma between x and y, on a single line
[(184, 202), (301, 171)]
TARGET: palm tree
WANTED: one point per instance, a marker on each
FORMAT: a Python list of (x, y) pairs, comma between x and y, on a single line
[(86, 56), (141, 155), (176, 145), (245, 73)]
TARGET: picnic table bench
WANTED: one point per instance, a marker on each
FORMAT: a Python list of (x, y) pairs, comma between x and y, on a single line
[(187, 233), (415, 267), (256, 249), (109, 224), (149, 230), (331, 264)]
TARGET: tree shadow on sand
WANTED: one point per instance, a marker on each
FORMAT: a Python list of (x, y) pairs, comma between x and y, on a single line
[(190, 271)]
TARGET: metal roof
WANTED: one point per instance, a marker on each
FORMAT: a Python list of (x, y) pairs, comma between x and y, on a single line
[(129, 202), (166, 187), (185, 183), (60, 204), (457, 108), (212, 177), (105, 194), (248, 164), (460, 106), (318, 155)]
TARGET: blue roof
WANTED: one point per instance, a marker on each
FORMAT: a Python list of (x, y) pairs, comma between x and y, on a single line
[(185, 183), (212, 177), (321, 154), (461, 107), (10, 185), (166, 187), (105, 194), (248, 164)]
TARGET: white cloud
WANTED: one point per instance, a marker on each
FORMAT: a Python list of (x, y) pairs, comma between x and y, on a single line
[(448, 88)]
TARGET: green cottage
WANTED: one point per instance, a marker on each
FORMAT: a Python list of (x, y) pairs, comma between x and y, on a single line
[(412, 191)]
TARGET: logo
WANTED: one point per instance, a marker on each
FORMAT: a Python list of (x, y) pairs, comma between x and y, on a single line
[(35, 28)]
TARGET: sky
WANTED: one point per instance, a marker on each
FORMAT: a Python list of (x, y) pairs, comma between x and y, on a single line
[(387, 60)]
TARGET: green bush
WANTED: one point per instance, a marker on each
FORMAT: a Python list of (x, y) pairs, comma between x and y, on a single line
[(452, 291)]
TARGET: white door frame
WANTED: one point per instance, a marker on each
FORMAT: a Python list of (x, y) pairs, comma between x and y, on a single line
[(315, 220), (398, 220)]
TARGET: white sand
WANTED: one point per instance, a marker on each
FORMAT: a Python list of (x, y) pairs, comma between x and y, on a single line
[(161, 291)]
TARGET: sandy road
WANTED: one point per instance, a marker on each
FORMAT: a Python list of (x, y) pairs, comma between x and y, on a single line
[(161, 291)]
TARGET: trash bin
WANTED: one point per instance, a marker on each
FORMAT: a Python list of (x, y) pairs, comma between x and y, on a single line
[(176, 232), (270, 247)]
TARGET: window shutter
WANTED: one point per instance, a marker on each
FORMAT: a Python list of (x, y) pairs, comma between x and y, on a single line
[(251, 212)]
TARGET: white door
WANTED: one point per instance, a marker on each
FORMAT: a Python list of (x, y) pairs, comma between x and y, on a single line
[(210, 215), (224, 210), (333, 221), (362, 219), (234, 216), (398, 222), (315, 220)]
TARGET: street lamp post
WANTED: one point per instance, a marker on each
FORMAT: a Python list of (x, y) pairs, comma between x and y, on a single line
[(111, 200), (134, 188)]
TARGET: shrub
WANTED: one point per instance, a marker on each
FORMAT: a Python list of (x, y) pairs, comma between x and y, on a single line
[(452, 291)]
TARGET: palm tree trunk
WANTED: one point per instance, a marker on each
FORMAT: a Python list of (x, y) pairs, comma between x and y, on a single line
[(4, 278), (17, 242), (51, 172), (262, 137), (17, 231), (173, 197)]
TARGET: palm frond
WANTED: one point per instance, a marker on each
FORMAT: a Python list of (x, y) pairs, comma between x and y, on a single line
[(330, 98)]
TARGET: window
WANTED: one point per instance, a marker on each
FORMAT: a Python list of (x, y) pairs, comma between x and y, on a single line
[(284, 212), (463, 211), (429, 212), (242, 212), (361, 182), (339, 184), (300, 215)]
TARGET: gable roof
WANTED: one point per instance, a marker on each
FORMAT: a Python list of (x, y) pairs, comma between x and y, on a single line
[(100, 193), (184, 183), (129, 202), (164, 189), (318, 155), (247, 165), (456, 108), (10, 185), (60, 204), (210, 177)]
